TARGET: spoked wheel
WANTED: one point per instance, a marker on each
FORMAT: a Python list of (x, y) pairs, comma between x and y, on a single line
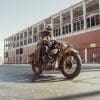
[(71, 65), (36, 70)]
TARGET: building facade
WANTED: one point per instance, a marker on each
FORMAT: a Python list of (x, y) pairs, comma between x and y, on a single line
[(1, 60), (78, 25)]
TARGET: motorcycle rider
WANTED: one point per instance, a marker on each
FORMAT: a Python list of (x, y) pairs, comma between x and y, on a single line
[(46, 41)]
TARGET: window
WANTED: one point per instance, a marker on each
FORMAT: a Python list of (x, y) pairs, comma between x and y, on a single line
[(21, 50), (93, 5), (59, 31), (17, 45), (88, 22), (97, 19), (63, 30), (14, 38), (6, 55), (11, 45), (25, 42), (17, 37), (30, 33), (14, 45), (54, 33), (21, 36), (66, 28), (82, 24), (17, 51), (21, 43), (25, 34), (29, 40), (92, 21), (74, 27), (78, 25), (34, 38), (69, 28)]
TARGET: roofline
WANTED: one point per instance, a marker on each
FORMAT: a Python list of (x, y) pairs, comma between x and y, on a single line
[(36, 24)]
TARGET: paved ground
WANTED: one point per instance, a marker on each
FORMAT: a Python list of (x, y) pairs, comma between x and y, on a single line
[(19, 83)]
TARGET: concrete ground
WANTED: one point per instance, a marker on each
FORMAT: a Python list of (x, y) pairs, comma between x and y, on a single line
[(17, 82)]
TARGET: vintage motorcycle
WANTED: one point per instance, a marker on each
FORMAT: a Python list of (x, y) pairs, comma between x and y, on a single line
[(56, 55)]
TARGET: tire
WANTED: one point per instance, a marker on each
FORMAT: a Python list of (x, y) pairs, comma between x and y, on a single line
[(36, 70), (77, 69)]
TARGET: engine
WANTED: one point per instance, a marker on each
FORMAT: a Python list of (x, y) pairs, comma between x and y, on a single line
[(49, 53)]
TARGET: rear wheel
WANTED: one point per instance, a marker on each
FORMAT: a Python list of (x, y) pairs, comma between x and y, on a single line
[(71, 65)]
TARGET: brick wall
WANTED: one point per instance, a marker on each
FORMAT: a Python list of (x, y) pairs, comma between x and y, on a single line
[(26, 51), (11, 55), (82, 41)]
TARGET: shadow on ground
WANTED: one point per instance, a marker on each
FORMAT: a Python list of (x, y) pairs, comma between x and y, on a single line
[(47, 78), (17, 76), (31, 78)]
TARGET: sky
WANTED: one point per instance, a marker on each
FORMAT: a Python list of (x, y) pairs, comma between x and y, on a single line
[(16, 15)]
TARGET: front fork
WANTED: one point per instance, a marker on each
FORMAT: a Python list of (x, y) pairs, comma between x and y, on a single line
[(67, 52)]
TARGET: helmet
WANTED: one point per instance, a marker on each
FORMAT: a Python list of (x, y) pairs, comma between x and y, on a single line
[(48, 27), (46, 31)]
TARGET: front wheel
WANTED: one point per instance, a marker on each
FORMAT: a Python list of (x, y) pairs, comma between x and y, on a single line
[(36, 70), (71, 65)]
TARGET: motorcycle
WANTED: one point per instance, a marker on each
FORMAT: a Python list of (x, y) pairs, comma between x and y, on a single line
[(56, 55)]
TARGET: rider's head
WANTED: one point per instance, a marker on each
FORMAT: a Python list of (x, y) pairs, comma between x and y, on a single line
[(48, 27), (47, 31)]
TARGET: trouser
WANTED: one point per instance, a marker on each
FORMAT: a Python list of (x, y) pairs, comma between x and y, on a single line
[(37, 54), (45, 51)]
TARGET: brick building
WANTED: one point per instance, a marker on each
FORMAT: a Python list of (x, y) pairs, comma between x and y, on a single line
[(78, 25)]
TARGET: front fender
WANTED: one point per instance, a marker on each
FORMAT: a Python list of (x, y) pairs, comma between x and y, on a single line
[(71, 50), (74, 51), (67, 51)]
